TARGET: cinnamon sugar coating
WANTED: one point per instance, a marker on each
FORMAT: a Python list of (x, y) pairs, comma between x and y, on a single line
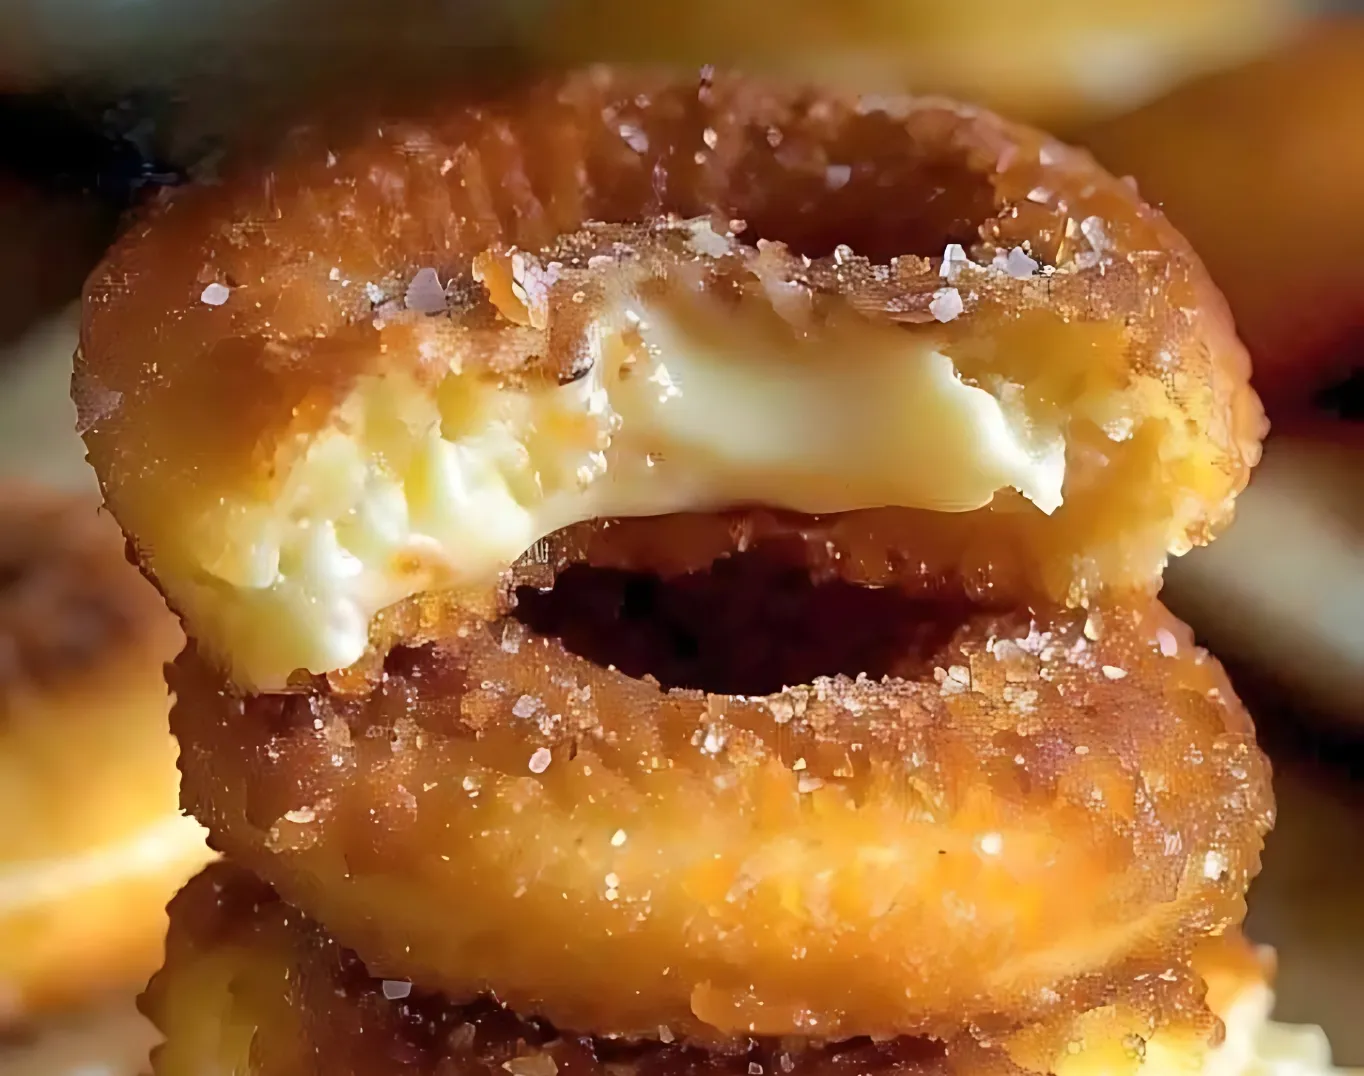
[(235, 333), (1020, 811), (256, 988)]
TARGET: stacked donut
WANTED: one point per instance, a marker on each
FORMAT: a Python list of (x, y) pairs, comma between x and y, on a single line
[(670, 571)]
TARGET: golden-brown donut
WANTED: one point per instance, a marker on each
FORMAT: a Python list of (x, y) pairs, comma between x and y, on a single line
[(1056, 64), (1029, 809), (93, 844), (386, 362), (254, 988), (1282, 232)]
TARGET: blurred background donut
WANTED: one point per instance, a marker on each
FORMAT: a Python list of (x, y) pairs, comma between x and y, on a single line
[(1064, 61), (1284, 593), (94, 842), (220, 69), (1261, 168)]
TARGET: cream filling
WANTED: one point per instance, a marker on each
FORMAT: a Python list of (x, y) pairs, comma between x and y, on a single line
[(409, 490), (1255, 1045)]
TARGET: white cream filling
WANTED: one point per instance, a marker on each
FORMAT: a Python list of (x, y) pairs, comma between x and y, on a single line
[(409, 490), (1255, 1045)]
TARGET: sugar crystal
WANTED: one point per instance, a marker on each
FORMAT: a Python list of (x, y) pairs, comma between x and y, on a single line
[(425, 294), (215, 294), (1018, 264), (540, 760), (946, 304)]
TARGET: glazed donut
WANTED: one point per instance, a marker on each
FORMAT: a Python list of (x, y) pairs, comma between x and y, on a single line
[(1062, 62), (252, 987), (93, 845), (387, 363), (1282, 232), (1012, 813)]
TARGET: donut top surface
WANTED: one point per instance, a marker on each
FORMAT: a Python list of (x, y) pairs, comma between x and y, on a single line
[(392, 358)]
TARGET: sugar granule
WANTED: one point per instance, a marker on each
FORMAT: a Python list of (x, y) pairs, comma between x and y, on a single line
[(215, 294), (946, 304), (540, 760)]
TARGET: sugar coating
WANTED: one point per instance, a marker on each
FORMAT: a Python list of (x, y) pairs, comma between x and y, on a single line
[(832, 859)]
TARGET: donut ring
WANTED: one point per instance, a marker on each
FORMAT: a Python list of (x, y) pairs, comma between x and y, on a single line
[(94, 844), (254, 988), (1029, 807), (387, 362), (1294, 277)]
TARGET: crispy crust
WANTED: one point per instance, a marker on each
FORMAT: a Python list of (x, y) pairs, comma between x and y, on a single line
[(1012, 824), (252, 985)]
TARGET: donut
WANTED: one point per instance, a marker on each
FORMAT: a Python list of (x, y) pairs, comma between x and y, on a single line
[(1282, 233), (252, 987), (388, 361), (1065, 62), (673, 558), (94, 844), (977, 815)]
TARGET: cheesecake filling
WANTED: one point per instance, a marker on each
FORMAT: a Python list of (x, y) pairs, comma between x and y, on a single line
[(413, 487)]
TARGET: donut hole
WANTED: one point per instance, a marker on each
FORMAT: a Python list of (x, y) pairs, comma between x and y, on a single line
[(818, 224), (876, 189), (750, 624)]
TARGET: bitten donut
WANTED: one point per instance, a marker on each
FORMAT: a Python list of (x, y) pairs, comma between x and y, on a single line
[(93, 844), (390, 360), (992, 816), (253, 987)]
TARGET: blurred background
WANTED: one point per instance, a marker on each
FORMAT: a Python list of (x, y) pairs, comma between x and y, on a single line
[(1243, 118)]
